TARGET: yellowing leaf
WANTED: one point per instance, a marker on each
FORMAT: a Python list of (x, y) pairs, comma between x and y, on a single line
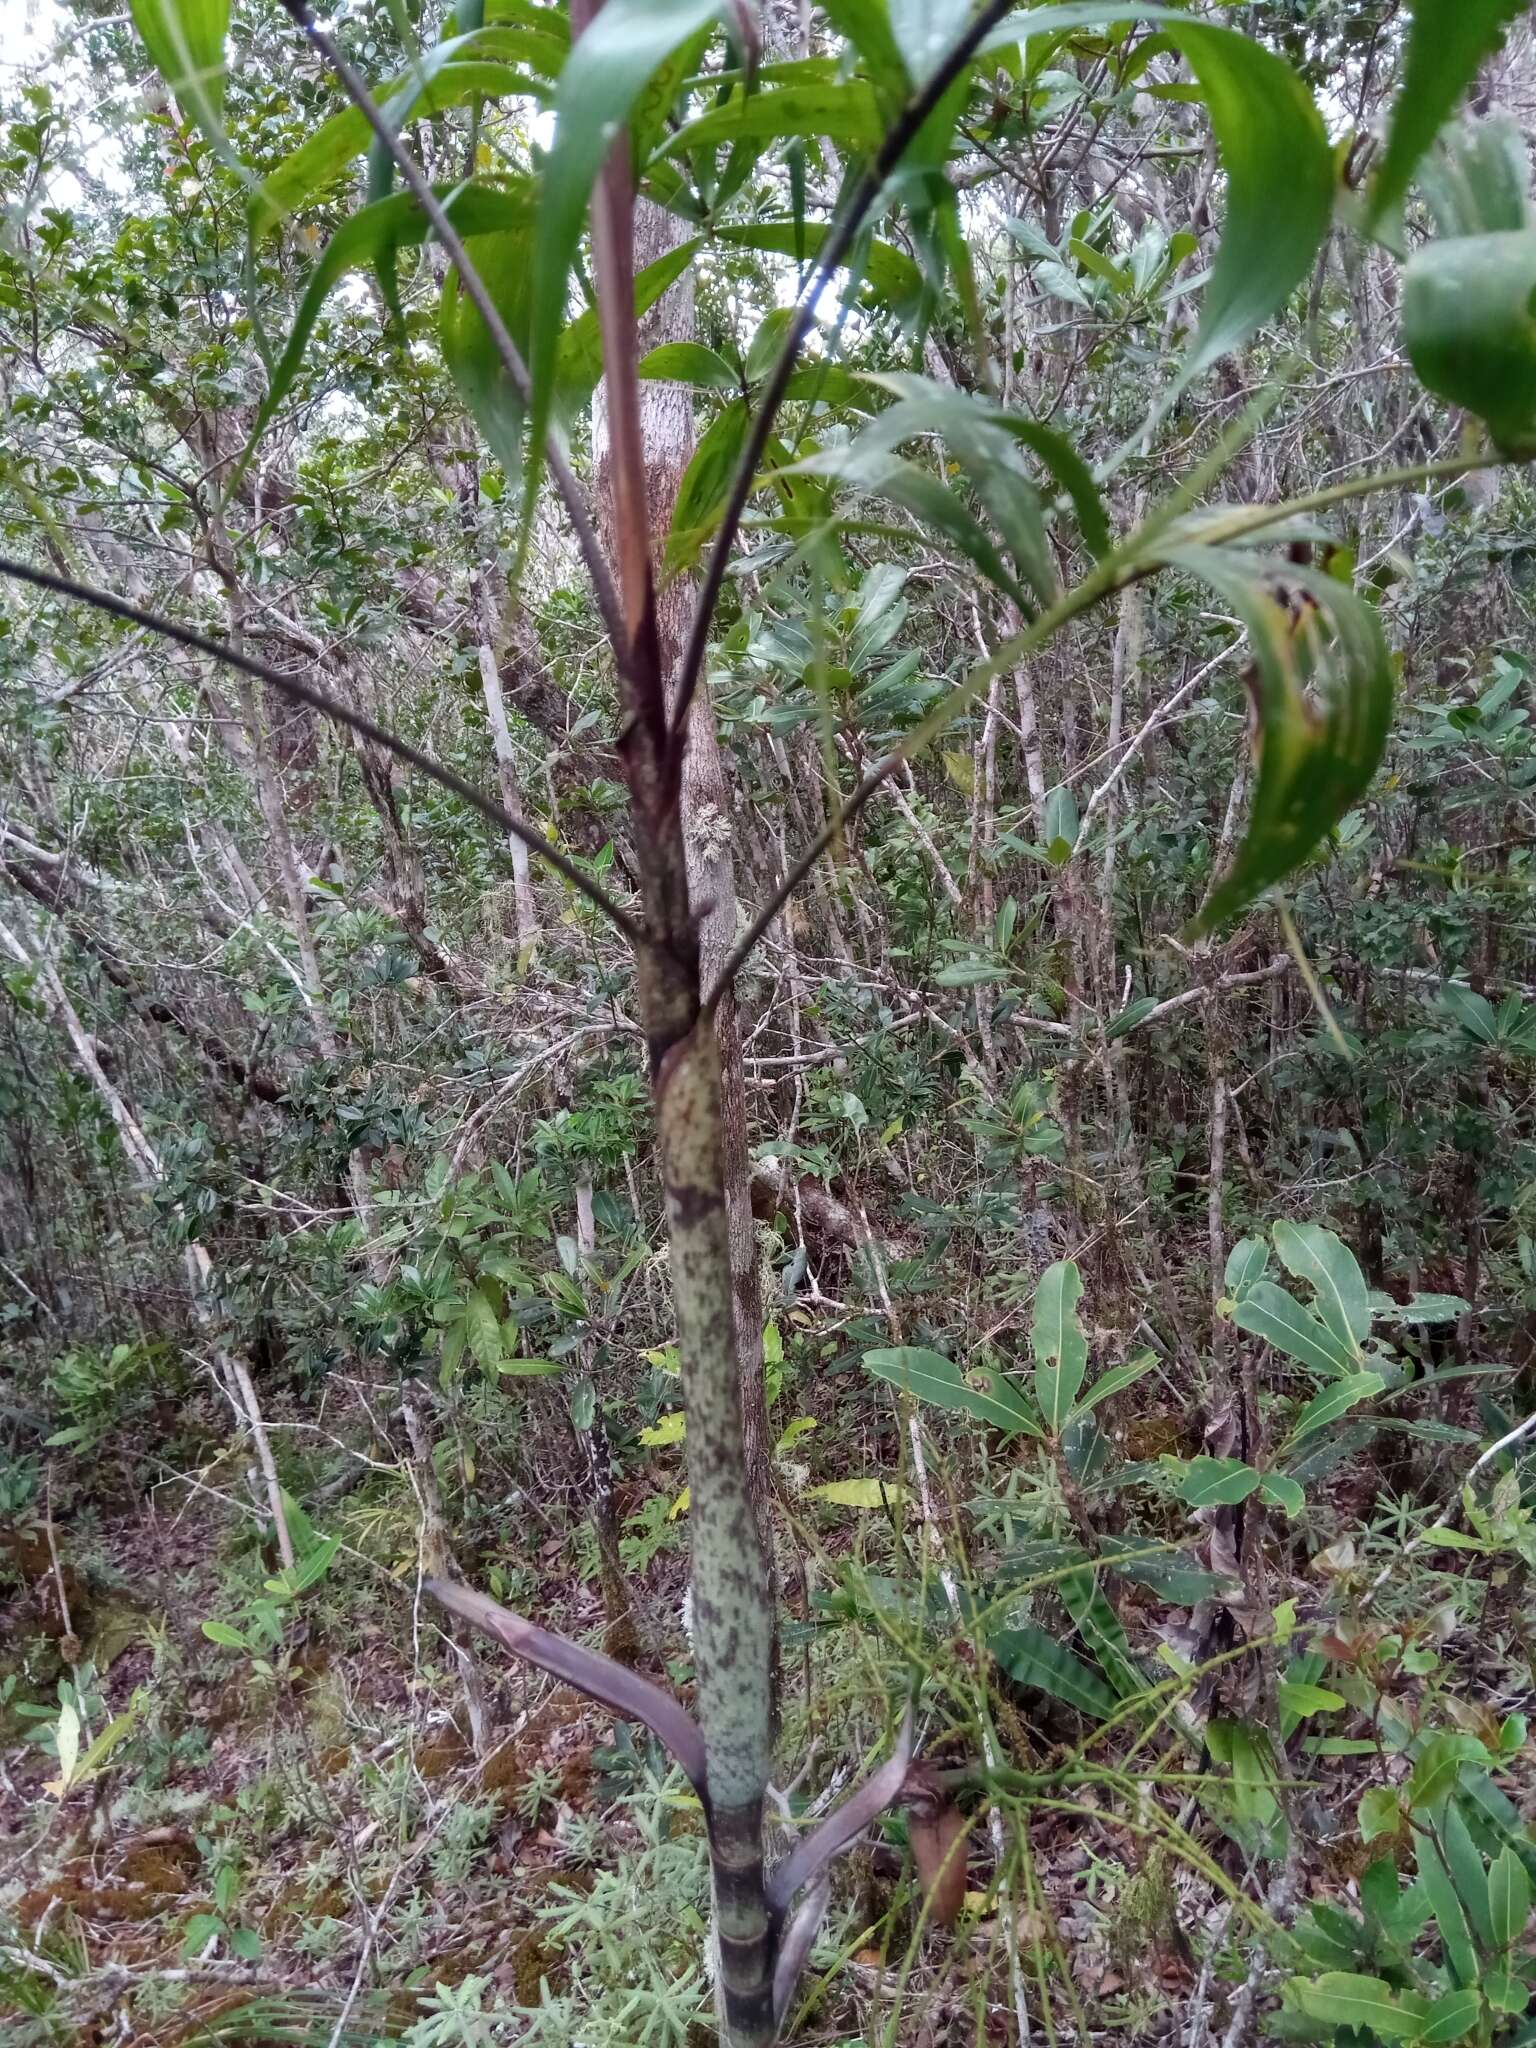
[(859, 1493), (670, 1428)]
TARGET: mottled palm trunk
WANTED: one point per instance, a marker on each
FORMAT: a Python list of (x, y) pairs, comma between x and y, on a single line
[(732, 1630)]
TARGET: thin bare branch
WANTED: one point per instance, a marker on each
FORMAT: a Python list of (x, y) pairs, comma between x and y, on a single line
[(343, 714)]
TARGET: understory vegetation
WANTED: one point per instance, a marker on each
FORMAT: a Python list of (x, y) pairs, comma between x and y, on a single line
[(767, 1024)]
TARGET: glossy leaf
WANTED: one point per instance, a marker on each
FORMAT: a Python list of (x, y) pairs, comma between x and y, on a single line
[(1339, 1998), (186, 40), (1323, 715), (1452, 2017), (1470, 331), (317, 163), (1274, 151), (689, 362), (1509, 1898), (1216, 1482), (1323, 1260), (1267, 1311), (1115, 1381), (1247, 1262), (1450, 1914), (1333, 1402), (607, 71), (928, 1376), (845, 114), (1060, 1346), (473, 359), (1099, 1627), (392, 224), (1447, 41), (1032, 1656)]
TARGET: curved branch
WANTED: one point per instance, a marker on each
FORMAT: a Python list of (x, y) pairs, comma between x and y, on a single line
[(343, 714), (622, 1691), (812, 1855), (899, 139)]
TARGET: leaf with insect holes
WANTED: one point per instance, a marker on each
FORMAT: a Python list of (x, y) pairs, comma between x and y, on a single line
[(1330, 1269), (1059, 1343), (1322, 693), (670, 1428)]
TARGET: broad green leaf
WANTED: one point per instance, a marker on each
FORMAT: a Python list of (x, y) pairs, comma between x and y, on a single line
[(928, 1376), (846, 114), (471, 355), (1099, 1627), (1274, 151), (867, 25), (320, 161), (1447, 41), (1477, 182), (1333, 1402), (608, 69), (1032, 1656), (1450, 1914), (666, 1429), (706, 480), (186, 40), (1324, 708), (1452, 2017), (1246, 1751), (1267, 1311), (1438, 1765), (859, 1493), (1282, 1492), (1339, 1998), (1380, 1813), (1333, 1273), (1115, 1381), (924, 31), (1302, 1700), (483, 1330), (1507, 1993), (397, 223), (1509, 1898), (1474, 1013), (1470, 331), (529, 1368), (1247, 1261), (313, 1565), (228, 1638), (886, 274), (1419, 1308), (689, 362), (1469, 1873), (1060, 1346), (1216, 1482)]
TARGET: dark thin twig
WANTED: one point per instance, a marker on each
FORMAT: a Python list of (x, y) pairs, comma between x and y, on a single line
[(841, 234), (748, 943), (506, 348), (332, 707)]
